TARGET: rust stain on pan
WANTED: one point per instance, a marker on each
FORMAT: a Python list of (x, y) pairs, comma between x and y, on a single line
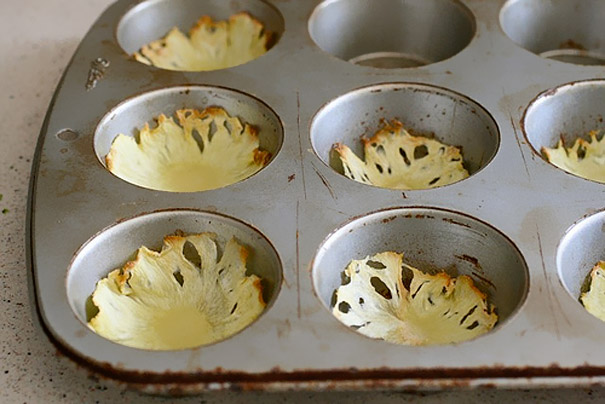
[(300, 147), (325, 182), (298, 309), (452, 221), (389, 219), (512, 122), (474, 261), (547, 283), (571, 44), (178, 383), (552, 297), (550, 92), (283, 329), (484, 279)]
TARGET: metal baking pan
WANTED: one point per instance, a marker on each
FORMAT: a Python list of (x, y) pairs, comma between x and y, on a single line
[(499, 79)]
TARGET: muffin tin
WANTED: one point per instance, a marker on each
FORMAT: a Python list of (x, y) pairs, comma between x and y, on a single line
[(527, 232)]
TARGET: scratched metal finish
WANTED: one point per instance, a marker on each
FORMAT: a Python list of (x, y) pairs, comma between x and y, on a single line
[(296, 202)]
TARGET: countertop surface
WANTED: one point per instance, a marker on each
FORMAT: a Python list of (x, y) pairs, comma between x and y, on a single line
[(37, 39)]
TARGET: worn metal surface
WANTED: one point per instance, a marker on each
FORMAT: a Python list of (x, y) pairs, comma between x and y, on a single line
[(297, 201)]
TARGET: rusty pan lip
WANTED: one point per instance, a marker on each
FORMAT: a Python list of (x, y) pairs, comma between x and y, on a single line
[(255, 381), (240, 380)]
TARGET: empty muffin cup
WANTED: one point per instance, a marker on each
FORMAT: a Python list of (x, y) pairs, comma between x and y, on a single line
[(203, 138), (392, 33), (564, 125), (566, 30), (157, 31), (432, 240), (173, 298), (449, 129)]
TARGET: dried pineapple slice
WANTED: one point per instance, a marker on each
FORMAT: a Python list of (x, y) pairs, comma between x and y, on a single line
[(436, 309), (397, 160), (164, 301), (169, 158), (585, 159), (211, 45), (594, 299)]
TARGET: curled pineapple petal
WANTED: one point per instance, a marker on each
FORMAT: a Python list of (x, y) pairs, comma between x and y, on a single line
[(594, 299), (169, 157), (397, 160), (164, 301), (436, 309), (586, 158), (210, 45)]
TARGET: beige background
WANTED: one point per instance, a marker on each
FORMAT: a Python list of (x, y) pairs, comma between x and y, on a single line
[(37, 39)]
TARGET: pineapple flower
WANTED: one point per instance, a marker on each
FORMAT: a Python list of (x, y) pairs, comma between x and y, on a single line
[(397, 160), (165, 301), (210, 45), (432, 309), (169, 158), (594, 299), (586, 158)]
